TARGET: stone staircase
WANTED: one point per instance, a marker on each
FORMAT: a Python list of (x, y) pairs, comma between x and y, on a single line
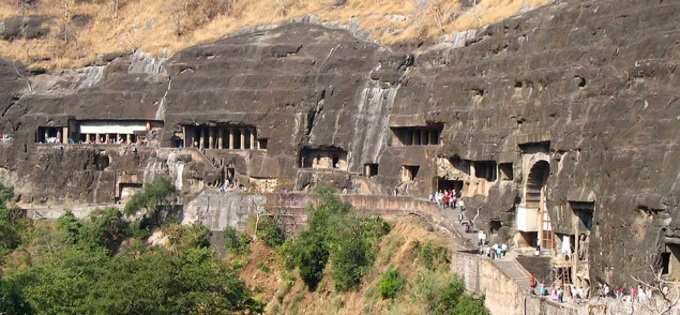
[(513, 269)]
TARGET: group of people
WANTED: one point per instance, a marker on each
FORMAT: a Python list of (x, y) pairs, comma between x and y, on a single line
[(555, 293), (445, 198), (497, 251), (639, 294)]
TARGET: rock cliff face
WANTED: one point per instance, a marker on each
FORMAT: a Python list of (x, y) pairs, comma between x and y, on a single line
[(572, 108)]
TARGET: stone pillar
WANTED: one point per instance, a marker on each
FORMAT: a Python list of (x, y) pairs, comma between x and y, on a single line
[(414, 137), (231, 139), (201, 138), (211, 132), (127, 138), (220, 138), (252, 139), (184, 136), (64, 135), (191, 137), (47, 134), (423, 137), (243, 139), (96, 138)]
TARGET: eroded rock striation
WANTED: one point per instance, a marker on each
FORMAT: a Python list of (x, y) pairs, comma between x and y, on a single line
[(559, 126)]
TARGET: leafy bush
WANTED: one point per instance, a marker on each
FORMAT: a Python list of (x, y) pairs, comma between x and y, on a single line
[(447, 299), (433, 256), (468, 305), (235, 241), (152, 199), (6, 194), (351, 256), (184, 237), (391, 283), (269, 230), (309, 253), (334, 233), (106, 229), (11, 222), (70, 227), (86, 281)]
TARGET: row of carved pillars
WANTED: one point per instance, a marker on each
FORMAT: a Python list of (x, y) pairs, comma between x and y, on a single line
[(230, 138)]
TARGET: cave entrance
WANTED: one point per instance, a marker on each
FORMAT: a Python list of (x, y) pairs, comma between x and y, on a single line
[(50, 135), (447, 184), (527, 239), (409, 173), (494, 226), (670, 261), (486, 170), (534, 200), (506, 172), (127, 190), (370, 169), (231, 174)]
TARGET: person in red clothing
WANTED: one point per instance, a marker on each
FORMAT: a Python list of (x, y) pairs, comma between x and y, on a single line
[(532, 283)]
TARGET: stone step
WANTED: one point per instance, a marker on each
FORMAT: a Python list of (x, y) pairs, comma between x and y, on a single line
[(515, 271)]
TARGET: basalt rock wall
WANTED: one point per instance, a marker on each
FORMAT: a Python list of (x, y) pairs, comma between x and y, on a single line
[(589, 87)]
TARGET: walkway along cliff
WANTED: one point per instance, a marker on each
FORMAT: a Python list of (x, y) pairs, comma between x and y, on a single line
[(561, 126)]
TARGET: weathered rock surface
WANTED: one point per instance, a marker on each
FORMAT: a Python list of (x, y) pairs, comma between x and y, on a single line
[(590, 87), (25, 27)]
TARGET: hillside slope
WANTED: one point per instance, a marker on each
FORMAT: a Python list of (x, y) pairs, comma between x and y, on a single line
[(69, 33), (285, 293)]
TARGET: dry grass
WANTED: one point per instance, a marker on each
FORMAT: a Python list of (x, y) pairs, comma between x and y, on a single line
[(285, 293), (165, 26)]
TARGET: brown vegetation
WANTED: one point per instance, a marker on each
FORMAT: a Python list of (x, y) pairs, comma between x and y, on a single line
[(81, 30), (287, 294)]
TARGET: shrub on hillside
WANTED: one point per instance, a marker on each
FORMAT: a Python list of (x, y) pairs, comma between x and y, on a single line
[(445, 300), (269, 230), (351, 256), (106, 229), (432, 256), (334, 233), (11, 222), (155, 197), (70, 227), (183, 237), (236, 242), (309, 253), (354, 248), (154, 281), (468, 305), (391, 283)]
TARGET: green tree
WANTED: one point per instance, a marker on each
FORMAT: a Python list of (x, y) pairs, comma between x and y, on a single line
[(107, 229), (391, 283), (446, 300), (83, 280), (334, 233), (468, 305), (154, 196), (11, 222), (235, 241), (70, 227), (183, 237), (270, 231), (351, 256)]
